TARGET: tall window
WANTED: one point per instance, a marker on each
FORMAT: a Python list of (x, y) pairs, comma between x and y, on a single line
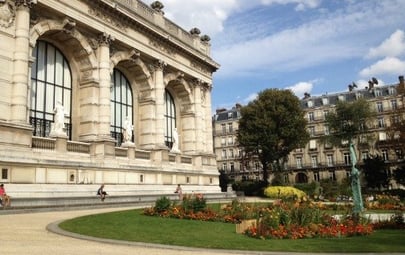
[(385, 155), (230, 127), (121, 105), (170, 119), (51, 82), (232, 165), (329, 159), (394, 104), (381, 123), (380, 107), (346, 157), (299, 162), (311, 130), (314, 161), (311, 116)]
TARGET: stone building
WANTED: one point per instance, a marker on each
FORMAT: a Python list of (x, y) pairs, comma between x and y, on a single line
[(317, 160), (230, 158), (96, 92)]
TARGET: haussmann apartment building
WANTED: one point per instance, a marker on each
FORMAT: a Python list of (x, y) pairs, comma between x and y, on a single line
[(319, 160)]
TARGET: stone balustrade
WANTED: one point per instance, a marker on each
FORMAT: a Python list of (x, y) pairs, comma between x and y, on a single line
[(146, 12)]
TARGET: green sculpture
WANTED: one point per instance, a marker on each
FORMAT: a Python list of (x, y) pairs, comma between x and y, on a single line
[(355, 182)]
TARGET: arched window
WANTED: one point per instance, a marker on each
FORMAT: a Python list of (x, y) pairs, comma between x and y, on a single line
[(301, 178), (121, 105), (170, 119), (51, 82)]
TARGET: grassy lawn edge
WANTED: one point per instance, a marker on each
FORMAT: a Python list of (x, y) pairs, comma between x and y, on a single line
[(131, 225)]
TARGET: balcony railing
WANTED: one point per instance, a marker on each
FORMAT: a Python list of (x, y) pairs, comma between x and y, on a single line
[(78, 147), (43, 143)]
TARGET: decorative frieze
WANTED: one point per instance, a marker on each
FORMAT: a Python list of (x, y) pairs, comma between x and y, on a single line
[(7, 13), (162, 47), (106, 17), (200, 67)]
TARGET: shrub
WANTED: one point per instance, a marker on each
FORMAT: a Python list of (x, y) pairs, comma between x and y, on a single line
[(311, 189), (162, 204), (250, 188), (284, 192), (194, 203)]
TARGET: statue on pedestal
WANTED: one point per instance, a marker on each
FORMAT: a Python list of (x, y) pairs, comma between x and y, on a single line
[(355, 182), (127, 131), (175, 137), (58, 128)]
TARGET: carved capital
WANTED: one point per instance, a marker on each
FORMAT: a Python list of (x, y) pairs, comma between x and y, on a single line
[(105, 39), (180, 76), (68, 25), (159, 65), (25, 3), (196, 82), (134, 55)]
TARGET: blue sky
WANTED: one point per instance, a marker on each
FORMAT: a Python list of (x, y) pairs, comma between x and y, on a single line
[(314, 46)]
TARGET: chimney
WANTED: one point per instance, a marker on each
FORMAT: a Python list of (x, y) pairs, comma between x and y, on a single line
[(401, 85)]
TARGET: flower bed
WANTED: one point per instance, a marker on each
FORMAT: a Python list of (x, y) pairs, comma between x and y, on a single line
[(282, 220)]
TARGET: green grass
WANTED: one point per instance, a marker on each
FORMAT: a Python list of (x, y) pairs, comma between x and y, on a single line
[(133, 226)]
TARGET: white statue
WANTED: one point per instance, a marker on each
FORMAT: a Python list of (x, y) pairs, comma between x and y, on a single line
[(128, 127), (59, 120), (175, 137)]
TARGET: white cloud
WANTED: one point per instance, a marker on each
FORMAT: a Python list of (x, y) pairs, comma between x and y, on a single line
[(394, 46), (300, 88), (207, 15), (330, 38), (388, 65), (300, 4), (250, 98)]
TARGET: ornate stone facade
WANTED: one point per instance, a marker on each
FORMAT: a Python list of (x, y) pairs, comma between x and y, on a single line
[(96, 40)]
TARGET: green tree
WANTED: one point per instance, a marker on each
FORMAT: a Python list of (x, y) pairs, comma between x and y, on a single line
[(347, 124), (271, 126), (399, 175), (375, 172)]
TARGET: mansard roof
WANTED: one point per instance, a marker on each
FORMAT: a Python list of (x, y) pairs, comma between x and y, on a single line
[(225, 115), (349, 96)]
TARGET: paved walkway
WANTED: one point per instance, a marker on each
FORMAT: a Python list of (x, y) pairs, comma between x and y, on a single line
[(27, 233)]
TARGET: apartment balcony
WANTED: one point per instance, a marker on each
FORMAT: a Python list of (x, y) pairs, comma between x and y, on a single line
[(318, 167)]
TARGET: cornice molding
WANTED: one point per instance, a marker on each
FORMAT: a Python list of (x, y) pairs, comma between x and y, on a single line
[(158, 38)]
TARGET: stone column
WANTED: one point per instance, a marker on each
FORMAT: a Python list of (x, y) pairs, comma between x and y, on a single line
[(20, 79), (104, 145), (104, 117), (206, 96), (199, 132), (159, 105)]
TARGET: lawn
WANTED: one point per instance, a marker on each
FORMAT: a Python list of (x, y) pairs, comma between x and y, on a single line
[(131, 225)]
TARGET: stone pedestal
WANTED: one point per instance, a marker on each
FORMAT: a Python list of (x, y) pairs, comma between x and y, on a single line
[(131, 149), (61, 142)]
